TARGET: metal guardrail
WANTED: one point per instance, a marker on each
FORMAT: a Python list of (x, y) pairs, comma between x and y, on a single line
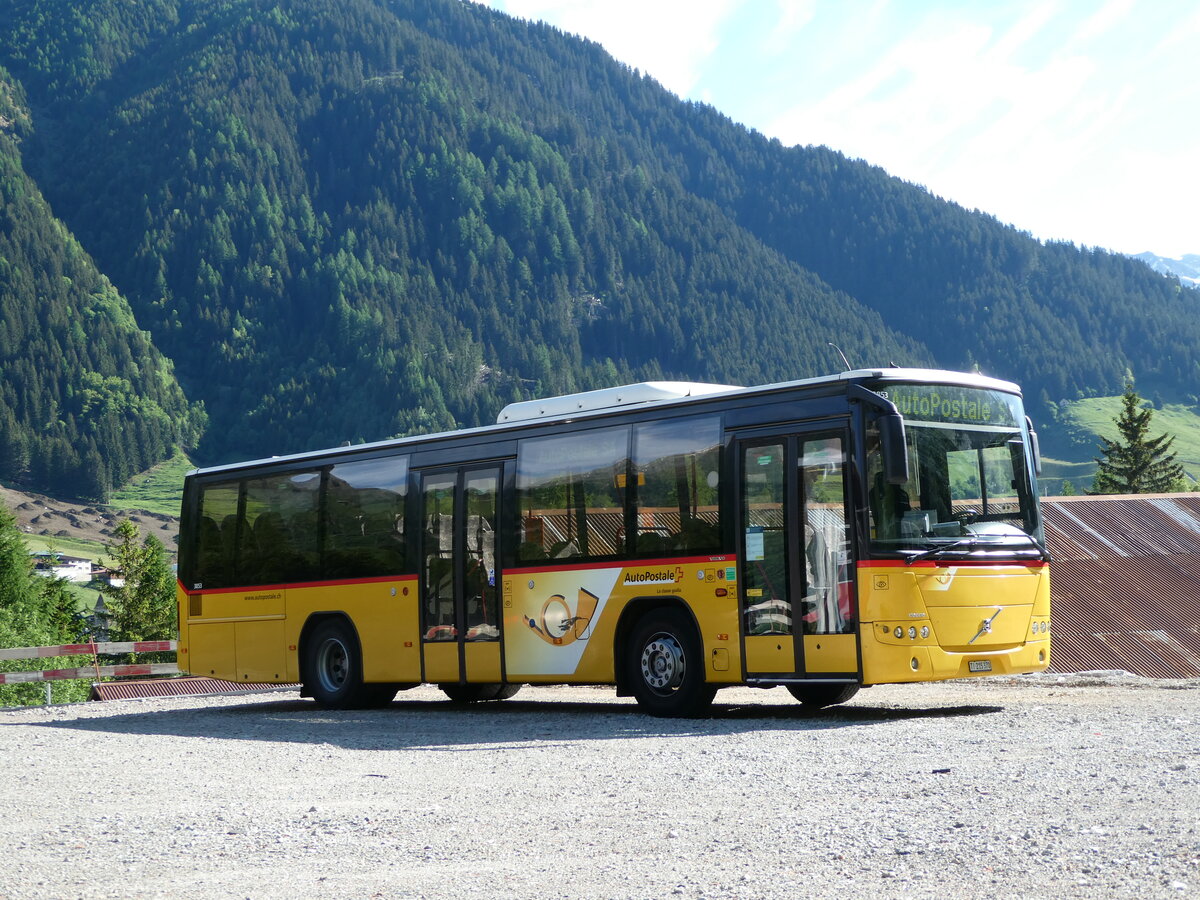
[(93, 671)]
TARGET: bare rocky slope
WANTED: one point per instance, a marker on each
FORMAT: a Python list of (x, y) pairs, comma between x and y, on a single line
[(37, 514)]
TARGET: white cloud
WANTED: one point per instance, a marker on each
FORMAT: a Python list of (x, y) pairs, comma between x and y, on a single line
[(792, 17), (1015, 119), (1104, 20), (1071, 119), (668, 39), (901, 110)]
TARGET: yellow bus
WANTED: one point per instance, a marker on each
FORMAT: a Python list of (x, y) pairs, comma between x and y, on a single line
[(875, 526)]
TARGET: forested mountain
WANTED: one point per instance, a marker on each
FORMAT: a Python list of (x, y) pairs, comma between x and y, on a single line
[(86, 401), (346, 219)]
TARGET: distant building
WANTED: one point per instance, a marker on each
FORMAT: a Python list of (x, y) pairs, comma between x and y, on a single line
[(105, 575), (58, 565)]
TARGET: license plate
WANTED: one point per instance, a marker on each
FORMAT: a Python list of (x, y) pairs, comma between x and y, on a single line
[(980, 665)]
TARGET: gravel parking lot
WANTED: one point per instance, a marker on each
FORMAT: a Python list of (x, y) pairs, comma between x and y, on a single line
[(1046, 786)]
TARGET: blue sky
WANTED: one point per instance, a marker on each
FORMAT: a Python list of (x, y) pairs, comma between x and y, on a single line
[(1071, 120)]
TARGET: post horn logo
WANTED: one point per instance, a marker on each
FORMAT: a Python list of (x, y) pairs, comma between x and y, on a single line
[(558, 626)]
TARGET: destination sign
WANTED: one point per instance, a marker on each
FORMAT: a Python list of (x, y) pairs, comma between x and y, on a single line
[(955, 405)]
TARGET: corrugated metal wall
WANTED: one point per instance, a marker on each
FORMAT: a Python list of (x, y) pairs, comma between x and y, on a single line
[(1125, 583), (128, 689)]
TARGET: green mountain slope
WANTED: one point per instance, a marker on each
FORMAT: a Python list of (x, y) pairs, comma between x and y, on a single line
[(335, 239), (1078, 426), (346, 219), (86, 401)]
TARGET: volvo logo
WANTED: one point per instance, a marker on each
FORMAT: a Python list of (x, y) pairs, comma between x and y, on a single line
[(986, 626)]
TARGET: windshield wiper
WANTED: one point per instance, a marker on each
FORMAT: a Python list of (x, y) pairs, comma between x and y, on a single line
[(1041, 548), (971, 542)]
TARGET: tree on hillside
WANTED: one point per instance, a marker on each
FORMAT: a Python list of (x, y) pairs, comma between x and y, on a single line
[(18, 597), (143, 609), (1136, 463), (34, 612)]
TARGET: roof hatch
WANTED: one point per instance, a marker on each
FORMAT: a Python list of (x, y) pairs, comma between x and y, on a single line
[(607, 398)]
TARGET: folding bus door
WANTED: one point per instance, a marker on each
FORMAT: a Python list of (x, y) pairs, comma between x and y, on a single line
[(460, 618), (799, 610)]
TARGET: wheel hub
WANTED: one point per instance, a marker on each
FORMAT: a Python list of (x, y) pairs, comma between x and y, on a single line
[(663, 663), (332, 665)]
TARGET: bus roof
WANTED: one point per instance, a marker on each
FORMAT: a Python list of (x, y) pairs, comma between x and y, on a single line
[(632, 397), (608, 398)]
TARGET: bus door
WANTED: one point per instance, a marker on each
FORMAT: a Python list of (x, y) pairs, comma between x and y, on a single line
[(460, 618), (798, 604)]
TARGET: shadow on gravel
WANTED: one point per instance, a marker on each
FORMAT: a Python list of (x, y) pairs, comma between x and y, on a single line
[(434, 725)]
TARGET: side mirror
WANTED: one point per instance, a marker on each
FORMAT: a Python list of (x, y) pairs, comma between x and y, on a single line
[(894, 450), (1034, 447)]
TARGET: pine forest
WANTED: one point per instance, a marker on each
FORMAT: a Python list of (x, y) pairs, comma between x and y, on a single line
[(254, 227)]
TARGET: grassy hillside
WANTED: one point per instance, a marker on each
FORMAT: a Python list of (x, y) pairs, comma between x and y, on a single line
[(85, 548), (159, 489), (1088, 420)]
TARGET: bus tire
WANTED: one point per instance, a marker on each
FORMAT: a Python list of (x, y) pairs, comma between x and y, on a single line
[(818, 696), (479, 693), (666, 665), (332, 671)]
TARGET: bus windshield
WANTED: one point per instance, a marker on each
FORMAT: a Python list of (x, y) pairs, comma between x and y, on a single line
[(969, 487)]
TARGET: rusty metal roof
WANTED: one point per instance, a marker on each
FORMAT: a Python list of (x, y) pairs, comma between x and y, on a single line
[(1122, 525), (1125, 583), (190, 685)]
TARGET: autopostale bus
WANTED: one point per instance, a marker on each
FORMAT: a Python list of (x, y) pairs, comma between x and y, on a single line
[(877, 526)]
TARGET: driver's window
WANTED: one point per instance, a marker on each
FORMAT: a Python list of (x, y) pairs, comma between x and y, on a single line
[(890, 504)]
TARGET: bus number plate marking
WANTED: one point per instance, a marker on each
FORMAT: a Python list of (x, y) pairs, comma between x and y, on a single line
[(980, 665)]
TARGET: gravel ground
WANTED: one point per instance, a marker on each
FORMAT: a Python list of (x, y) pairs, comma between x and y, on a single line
[(1048, 786)]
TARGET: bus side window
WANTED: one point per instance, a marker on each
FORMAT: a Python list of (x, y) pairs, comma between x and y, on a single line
[(571, 492), (364, 518), (677, 508), (215, 553), (276, 542)]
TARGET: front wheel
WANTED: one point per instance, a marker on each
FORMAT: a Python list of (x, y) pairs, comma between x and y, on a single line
[(818, 696), (666, 666)]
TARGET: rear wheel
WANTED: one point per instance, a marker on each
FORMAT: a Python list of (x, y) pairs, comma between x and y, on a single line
[(818, 696), (332, 669), (666, 665), (479, 693)]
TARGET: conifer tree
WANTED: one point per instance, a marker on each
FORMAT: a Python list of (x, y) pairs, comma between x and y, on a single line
[(34, 611), (1137, 463), (18, 596), (143, 609)]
